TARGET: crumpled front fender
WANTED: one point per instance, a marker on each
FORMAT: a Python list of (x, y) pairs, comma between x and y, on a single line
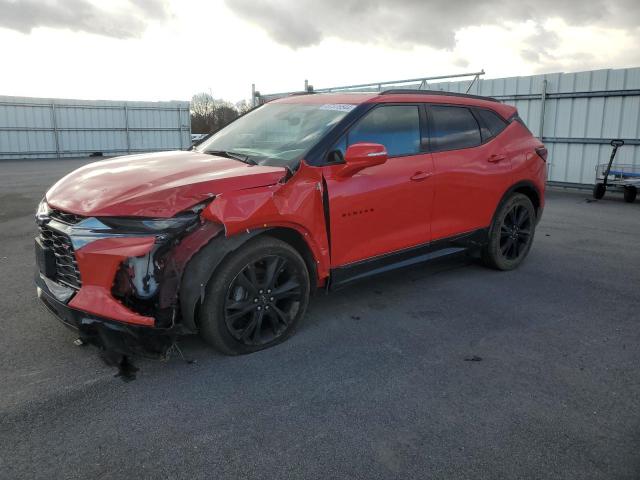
[(297, 204)]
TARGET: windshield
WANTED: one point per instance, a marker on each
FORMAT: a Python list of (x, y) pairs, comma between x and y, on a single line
[(277, 134)]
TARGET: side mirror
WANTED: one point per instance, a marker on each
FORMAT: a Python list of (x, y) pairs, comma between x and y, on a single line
[(363, 155)]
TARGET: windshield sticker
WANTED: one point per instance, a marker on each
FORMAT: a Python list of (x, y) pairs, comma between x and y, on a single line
[(341, 107)]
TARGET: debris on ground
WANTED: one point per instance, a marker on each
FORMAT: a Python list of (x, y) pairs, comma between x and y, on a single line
[(474, 358), (126, 369)]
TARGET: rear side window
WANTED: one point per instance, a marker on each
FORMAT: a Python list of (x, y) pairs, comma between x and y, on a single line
[(491, 124), (397, 127), (453, 128)]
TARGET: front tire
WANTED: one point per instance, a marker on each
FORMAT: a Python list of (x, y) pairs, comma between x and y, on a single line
[(256, 298), (511, 234)]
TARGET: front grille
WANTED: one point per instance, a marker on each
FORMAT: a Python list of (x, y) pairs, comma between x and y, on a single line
[(64, 217), (66, 266)]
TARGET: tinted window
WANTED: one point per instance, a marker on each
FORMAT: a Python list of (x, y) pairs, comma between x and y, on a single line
[(397, 127), (490, 123), (452, 128)]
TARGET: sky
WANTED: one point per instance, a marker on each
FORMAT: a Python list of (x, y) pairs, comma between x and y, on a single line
[(172, 49)]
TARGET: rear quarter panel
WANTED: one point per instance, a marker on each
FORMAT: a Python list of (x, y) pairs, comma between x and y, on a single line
[(526, 164)]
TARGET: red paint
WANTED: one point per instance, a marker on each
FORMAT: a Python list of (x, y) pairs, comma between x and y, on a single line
[(379, 209), (154, 185), (296, 204), (469, 183), (375, 206), (98, 262)]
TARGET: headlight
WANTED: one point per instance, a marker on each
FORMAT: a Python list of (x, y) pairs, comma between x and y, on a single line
[(150, 225), (43, 211), (171, 225)]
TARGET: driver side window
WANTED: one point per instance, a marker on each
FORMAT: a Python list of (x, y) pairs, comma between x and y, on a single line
[(397, 127)]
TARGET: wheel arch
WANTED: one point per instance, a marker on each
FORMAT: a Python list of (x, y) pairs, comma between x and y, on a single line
[(294, 238), (526, 187), (204, 263)]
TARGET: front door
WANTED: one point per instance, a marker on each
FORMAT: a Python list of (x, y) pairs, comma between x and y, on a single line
[(385, 208)]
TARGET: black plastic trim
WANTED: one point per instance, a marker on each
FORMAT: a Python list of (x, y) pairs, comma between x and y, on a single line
[(199, 271), (399, 91), (481, 123), (346, 274), (109, 335), (516, 186), (317, 155)]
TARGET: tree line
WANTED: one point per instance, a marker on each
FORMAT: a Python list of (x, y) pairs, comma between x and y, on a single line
[(209, 114)]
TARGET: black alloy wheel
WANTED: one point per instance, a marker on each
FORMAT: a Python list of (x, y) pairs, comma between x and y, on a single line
[(511, 233), (256, 297), (263, 300), (515, 232)]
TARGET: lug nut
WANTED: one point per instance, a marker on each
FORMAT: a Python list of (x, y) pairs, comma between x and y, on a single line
[(269, 290), (261, 291), (271, 299), (259, 307), (255, 300), (267, 307)]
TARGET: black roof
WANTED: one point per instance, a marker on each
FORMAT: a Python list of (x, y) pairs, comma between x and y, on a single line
[(437, 92)]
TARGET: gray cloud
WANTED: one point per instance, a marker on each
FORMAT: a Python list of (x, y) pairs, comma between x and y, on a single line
[(302, 23), (81, 15)]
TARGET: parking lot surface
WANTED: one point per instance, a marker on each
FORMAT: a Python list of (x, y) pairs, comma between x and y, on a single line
[(442, 371)]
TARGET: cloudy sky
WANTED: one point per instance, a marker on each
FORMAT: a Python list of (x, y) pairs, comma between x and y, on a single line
[(170, 49)]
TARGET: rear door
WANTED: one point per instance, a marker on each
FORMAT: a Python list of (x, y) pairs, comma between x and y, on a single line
[(471, 168), (384, 208)]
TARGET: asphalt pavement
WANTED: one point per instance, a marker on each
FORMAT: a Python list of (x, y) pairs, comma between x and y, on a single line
[(443, 371)]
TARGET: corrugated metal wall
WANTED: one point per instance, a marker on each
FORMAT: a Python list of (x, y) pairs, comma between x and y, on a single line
[(582, 112), (55, 128)]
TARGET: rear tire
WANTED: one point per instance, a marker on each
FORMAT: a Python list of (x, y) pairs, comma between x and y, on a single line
[(256, 298), (599, 190), (630, 194), (511, 233)]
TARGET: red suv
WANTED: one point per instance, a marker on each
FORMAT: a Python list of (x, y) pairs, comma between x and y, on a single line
[(311, 191)]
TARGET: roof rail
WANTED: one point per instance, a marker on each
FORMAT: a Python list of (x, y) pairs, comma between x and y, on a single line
[(436, 92), (375, 87)]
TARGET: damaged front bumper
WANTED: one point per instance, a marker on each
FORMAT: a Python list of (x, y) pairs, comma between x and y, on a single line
[(116, 281), (108, 335)]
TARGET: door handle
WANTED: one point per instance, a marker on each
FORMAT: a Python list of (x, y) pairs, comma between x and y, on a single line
[(495, 158), (416, 177)]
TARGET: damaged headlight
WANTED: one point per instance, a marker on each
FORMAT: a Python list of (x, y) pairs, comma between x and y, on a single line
[(43, 211), (171, 225), (150, 225)]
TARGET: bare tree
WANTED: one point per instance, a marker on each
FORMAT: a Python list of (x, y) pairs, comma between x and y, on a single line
[(209, 114)]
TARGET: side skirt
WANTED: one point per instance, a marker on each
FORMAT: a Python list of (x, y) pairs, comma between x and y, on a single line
[(346, 274)]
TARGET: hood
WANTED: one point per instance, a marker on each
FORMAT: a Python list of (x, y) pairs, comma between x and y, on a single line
[(154, 185)]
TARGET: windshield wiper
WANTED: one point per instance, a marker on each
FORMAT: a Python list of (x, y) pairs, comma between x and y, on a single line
[(235, 155)]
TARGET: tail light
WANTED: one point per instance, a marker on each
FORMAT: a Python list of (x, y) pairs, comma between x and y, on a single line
[(542, 153)]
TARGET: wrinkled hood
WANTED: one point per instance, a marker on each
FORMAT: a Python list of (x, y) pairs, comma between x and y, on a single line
[(155, 184)]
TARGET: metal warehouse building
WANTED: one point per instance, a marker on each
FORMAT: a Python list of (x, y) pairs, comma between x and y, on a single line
[(576, 114), (55, 128)]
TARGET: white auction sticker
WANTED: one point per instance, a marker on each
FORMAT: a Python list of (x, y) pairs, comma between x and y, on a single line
[(342, 107)]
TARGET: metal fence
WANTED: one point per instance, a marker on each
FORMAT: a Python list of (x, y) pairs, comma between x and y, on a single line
[(55, 128), (576, 114)]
